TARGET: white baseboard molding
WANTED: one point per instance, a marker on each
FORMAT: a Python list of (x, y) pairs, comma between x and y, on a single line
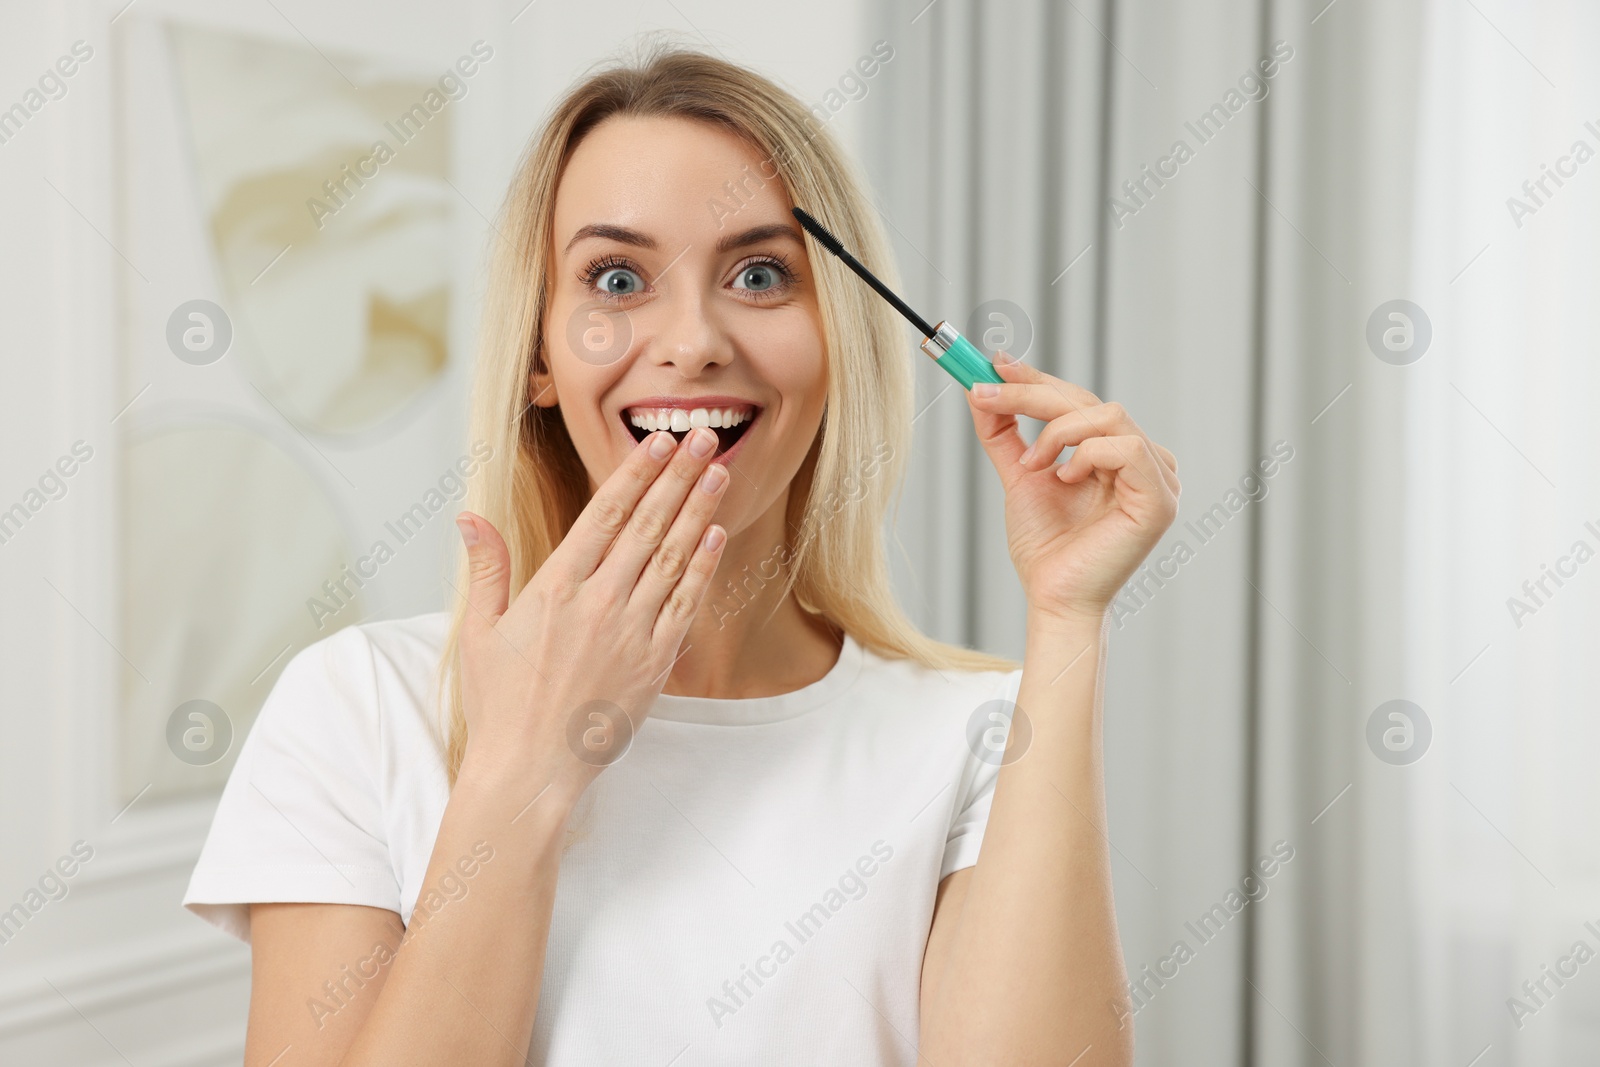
[(115, 977)]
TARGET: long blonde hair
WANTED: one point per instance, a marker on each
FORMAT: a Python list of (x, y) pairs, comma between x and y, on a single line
[(536, 484)]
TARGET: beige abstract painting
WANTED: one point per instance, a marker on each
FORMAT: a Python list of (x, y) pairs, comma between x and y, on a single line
[(326, 192), (324, 207), (223, 537)]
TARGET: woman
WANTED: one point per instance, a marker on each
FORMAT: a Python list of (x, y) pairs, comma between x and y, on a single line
[(665, 789)]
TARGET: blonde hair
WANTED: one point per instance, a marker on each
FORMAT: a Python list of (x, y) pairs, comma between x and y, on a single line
[(536, 484)]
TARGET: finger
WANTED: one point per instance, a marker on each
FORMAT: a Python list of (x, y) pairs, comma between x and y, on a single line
[(1169, 464), (1075, 427), (1001, 440), (606, 515), (1166, 465), (1128, 458), (648, 526), (489, 568), (995, 422), (669, 562), (1030, 391), (683, 604)]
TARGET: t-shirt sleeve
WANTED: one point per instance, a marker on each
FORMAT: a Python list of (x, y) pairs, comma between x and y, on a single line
[(985, 738), (300, 818)]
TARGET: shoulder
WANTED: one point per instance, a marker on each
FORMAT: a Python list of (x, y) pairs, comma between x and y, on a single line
[(957, 690), (363, 678), (340, 782), (355, 653), (405, 647)]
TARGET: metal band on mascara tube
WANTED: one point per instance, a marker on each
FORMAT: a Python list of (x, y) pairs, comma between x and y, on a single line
[(960, 357)]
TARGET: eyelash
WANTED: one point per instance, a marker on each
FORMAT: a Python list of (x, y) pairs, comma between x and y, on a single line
[(599, 266), (772, 259), (786, 274)]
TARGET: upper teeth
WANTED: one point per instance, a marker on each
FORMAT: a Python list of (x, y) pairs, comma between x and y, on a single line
[(682, 419)]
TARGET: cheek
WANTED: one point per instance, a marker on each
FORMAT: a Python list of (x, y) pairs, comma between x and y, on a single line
[(584, 346), (793, 363), (579, 385)]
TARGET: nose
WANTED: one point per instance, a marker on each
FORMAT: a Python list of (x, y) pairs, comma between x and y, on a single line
[(689, 337)]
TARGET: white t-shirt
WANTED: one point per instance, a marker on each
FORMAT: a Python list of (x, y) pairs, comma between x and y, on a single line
[(753, 882)]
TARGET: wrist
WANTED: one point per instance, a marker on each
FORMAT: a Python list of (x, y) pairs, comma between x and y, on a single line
[(521, 787), (1068, 620)]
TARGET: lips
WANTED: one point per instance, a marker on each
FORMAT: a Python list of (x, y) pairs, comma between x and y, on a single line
[(730, 417)]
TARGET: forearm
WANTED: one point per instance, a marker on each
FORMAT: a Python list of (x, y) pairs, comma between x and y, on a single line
[(464, 986), (1035, 966)]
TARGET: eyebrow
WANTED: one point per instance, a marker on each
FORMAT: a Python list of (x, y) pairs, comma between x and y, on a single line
[(754, 235)]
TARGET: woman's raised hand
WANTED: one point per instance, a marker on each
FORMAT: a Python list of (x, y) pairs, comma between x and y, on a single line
[(1077, 530), (554, 685)]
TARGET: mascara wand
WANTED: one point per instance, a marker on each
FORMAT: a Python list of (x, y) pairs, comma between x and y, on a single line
[(960, 358)]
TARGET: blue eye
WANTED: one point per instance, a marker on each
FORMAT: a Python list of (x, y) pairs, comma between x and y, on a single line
[(619, 281), (758, 277)]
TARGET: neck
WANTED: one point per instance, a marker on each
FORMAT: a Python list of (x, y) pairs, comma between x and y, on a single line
[(747, 640)]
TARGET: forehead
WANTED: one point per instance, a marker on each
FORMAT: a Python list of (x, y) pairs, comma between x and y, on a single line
[(666, 176)]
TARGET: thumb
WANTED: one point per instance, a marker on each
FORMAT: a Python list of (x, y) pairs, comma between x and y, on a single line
[(998, 432), (489, 568)]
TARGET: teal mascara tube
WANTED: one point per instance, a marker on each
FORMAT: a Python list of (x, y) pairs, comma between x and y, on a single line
[(960, 358)]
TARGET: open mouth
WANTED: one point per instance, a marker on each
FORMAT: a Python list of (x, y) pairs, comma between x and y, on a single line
[(731, 422)]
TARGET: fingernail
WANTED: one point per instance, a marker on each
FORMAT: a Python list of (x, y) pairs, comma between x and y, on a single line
[(663, 445), (702, 441), (469, 532), (1026, 455), (985, 389), (713, 478), (714, 537)]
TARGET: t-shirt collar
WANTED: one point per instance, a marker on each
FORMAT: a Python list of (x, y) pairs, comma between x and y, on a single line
[(754, 710)]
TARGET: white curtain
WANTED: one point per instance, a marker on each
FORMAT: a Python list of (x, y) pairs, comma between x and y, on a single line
[(1503, 440), (1430, 540), (1009, 129)]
